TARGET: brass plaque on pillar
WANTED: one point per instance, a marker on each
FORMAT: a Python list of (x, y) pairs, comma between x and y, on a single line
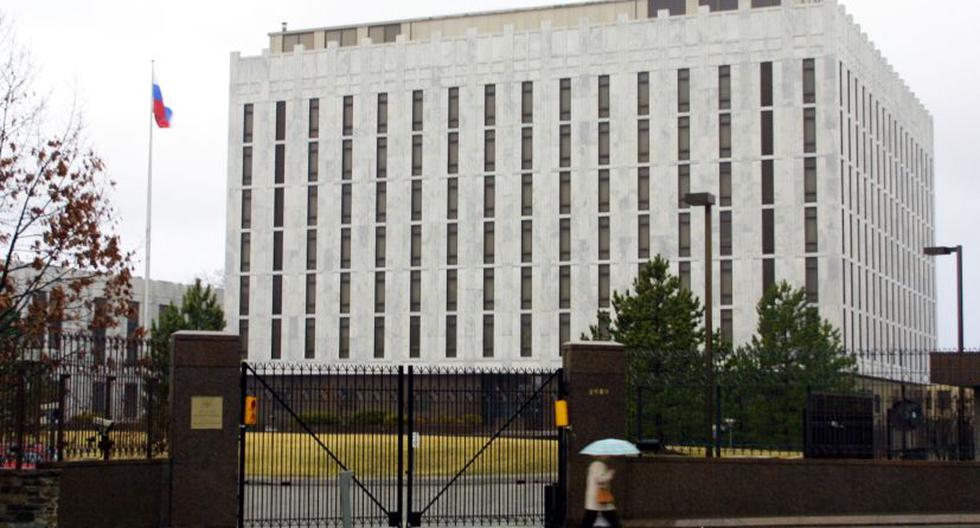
[(206, 412)]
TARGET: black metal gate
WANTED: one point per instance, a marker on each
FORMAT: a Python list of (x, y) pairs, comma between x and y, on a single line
[(426, 445)]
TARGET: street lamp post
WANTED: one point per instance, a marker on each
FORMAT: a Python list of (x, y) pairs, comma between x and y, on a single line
[(961, 407), (707, 200)]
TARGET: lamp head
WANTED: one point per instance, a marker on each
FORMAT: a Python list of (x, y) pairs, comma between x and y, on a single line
[(699, 199)]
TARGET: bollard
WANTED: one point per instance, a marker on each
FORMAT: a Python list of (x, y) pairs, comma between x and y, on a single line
[(346, 513)]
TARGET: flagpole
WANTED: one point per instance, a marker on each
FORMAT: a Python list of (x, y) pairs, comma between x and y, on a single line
[(149, 205)]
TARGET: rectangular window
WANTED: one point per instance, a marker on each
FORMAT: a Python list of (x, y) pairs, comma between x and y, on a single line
[(452, 244), (343, 345), (564, 240), (765, 3), (414, 336), (643, 237), (246, 253), (243, 291), (246, 166), (565, 146), (768, 233), (381, 159), (488, 243), (768, 274), (488, 196), (247, 120), (312, 161), (726, 325), (381, 202), (311, 249), (380, 246), (246, 209), (452, 198), (683, 185), (452, 162), (379, 292), (724, 87), (564, 330), (276, 294), (345, 248), (565, 100), (684, 275), (345, 293), (277, 339), (277, 206), (415, 291), (280, 120), (343, 37), (604, 286), (643, 141), (768, 190), (810, 229), (526, 334), (347, 160), (725, 184), (417, 155), (416, 200), (603, 96), (416, 245), (684, 234), (810, 180), (309, 339), (603, 191), (527, 148), (526, 238), (765, 82), (488, 289), (314, 124), (604, 143), (725, 135), (527, 195), (488, 335), (673, 7), (311, 205), (683, 90), (564, 193), (277, 251), (243, 337), (348, 115), (451, 290), (527, 102), (767, 138), (643, 93), (809, 130), (382, 113), (564, 286), (311, 293), (417, 110), (812, 286), (684, 138), (489, 151), (726, 282), (489, 105), (603, 238), (280, 164), (643, 188), (526, 288), (809, 82), (450, 336), (379, 337), (725, 233), (454, 107)]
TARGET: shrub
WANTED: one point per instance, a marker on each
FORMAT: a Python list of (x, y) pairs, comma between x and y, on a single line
[(368, 418), (312, 418)]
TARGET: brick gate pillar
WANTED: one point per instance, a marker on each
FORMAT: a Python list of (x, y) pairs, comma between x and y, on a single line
[(205, 400), (595, 376)]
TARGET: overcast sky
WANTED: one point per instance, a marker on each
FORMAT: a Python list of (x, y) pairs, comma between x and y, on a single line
[(100, 51)]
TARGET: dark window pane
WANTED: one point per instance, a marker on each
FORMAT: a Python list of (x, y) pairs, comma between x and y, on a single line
[(488, 243), (343, 345), (246, 209), (348, 115), (810, 229), (603, 96), (381, 159), (280, 164), (381, 202), (452, 244), (527, 148), (488, 196), (765, 83), (725, 232), (810, 180), (417, 110), (414, 336), (812, 286), (450, 336), (643, 188), (526, 287), (675, 7), (452, 198), (311, 293), (643, 141), (684, 235), (809, 82), (725, 184), (683, 185), (314, 122), (489, 105), (603, 238), (452, 162), (311, 249), (726, 282), (380, 246), (415, 291), (417, 155), (345, 203), (416, 245), (526, 334), (488, 335), (280, 120), (488, 289), (277, 339), (454, 107), (725, 135), (382, 113), (247, 121), (311, 205), (345, 248), (246, 252), (309, 347), (683, 90), (527, 195), (724, 87), (604, 143), (603, 191), (768, 232), (643, 237), (489, 151), (243, 295), (809, 130), (247, 166), (379, 292), (643, 93), (527, 102), (564, 286), (768, 274), (276, 294), (767, 182), (684, 138), (604, 286), (416, 200), (564, 192), (347, 160), (345, 293), (379, 337), (565, 100), (277, 251), (451, 290), (526, 241), (565, 146)]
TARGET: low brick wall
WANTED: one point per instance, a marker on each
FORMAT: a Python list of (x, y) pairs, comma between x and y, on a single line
[(687, 487), (114, 494), (29, 499)]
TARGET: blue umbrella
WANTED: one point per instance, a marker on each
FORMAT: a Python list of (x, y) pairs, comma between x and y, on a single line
[(610, 447)]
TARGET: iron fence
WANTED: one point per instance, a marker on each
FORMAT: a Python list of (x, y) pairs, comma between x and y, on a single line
[(883, 406), (79, 396)]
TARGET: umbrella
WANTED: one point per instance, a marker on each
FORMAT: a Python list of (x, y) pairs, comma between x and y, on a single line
[(610, 447)]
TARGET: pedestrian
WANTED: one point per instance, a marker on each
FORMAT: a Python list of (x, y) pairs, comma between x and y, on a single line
[(598, 494)]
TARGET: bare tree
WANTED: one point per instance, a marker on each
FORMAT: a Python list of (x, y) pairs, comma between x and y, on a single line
[(57, 226)]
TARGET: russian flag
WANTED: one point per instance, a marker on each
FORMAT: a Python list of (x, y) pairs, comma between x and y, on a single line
[(160, 112)]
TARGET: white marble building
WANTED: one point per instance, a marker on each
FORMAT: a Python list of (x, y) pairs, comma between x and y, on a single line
[(536, 158)]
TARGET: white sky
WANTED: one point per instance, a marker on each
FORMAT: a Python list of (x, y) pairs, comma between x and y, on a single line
[(100, 51)]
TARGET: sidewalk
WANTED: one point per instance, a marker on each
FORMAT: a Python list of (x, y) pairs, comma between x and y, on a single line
[(935, 521)]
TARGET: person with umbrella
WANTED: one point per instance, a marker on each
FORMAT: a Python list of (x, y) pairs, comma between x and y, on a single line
[(598, 485)]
